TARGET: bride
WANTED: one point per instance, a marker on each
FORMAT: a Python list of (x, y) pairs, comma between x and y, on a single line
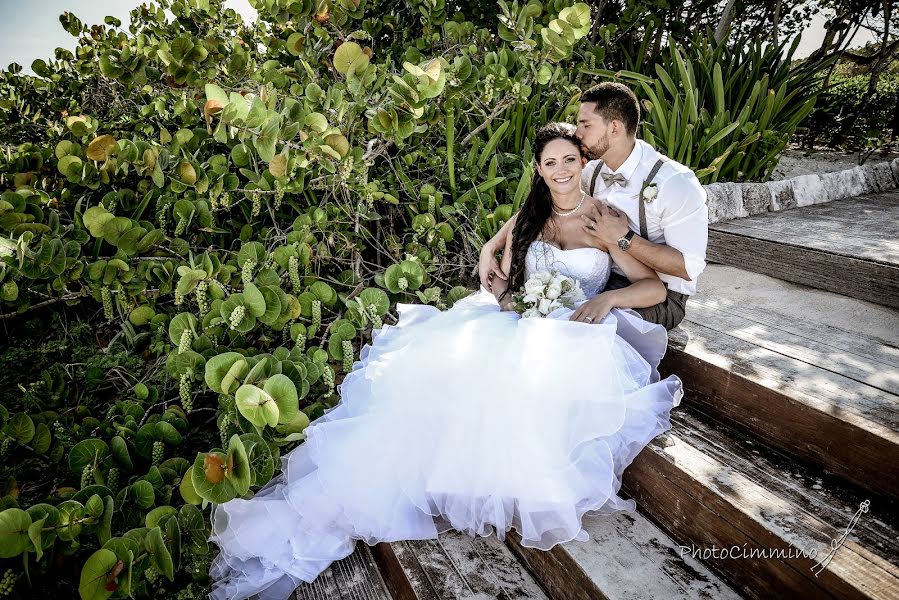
[(473, 418)]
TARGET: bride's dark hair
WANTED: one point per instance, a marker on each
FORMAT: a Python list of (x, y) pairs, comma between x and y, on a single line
[(537, 206)]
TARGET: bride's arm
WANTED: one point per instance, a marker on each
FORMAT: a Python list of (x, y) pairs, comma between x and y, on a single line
[(502, 285), (646, 288)]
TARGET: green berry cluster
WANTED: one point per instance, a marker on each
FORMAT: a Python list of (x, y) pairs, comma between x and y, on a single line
[(179, 297), (7, 583), (158, 452), (87, 475), (432, 204), (246, 271), (316, 316), (202, 297), (301, 341), (151, 575), (441, 245), (187, 400), (403, 283), (225, 430), (374, 317), (328, 378), (237, 316), (257, 204), (112, 479), (181, 226), (185, 341), (225, 200), (269, 262), (112, 205), (279, 194), (161, 217), (107, 303), (5, 445), (348, 352), (293, 267)]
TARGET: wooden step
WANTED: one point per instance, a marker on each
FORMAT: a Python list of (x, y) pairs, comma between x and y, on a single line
[(455, 567), (826, 395), (850, 247), (355, 577), (712, 487), (626, 557)]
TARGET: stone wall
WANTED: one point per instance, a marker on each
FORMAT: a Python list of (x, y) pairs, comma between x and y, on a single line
[(734, 200)]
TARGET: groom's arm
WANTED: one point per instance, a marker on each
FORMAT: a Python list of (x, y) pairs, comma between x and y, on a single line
[(684, 222)]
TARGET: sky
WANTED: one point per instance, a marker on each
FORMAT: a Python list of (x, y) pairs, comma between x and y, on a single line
[(30, 30)]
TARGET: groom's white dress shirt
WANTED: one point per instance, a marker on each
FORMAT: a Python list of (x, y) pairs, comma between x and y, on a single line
[(677, 217)]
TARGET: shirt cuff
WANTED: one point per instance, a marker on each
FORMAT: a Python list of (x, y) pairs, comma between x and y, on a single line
[(694, 265)]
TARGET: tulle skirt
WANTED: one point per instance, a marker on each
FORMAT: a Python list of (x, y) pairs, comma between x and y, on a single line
[(471, 419)]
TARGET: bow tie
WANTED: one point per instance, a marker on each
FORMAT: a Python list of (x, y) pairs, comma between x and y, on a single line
[(610, 178)]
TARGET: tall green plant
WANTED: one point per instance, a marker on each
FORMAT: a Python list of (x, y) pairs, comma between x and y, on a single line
[(725, 110)]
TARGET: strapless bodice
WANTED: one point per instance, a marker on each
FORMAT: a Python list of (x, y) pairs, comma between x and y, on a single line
[(590, 266)]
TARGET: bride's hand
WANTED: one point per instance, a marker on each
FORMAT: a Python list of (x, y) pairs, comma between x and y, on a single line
[(594, 310), (489, 270)]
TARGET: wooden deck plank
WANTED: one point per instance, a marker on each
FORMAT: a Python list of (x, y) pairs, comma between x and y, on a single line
[(355, 577), (853, 277), (457, 567), (851, 357), (818, 416), (813, 236), (849, 246), (703, 501)]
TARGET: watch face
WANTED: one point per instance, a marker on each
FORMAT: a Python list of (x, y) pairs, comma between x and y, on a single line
[(624, 244)]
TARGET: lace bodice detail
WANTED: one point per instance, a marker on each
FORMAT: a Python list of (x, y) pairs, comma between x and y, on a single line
[(590, 266)]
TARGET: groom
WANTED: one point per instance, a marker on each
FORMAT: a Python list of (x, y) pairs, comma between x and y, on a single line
[(654, 208)]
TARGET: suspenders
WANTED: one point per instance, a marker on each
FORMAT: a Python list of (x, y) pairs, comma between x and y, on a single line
[(652, 173)]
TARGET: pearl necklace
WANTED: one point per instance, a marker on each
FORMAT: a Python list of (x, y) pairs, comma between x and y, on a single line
[(583, 197)]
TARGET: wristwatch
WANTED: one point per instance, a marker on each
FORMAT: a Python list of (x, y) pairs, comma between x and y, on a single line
[(625, 242)]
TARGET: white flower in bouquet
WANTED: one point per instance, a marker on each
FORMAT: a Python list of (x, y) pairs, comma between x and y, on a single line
[(546, 291), (534, 288), (554, 290), (544, 306)]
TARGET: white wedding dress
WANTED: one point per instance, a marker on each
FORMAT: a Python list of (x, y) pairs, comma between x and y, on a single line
[(472, 419)]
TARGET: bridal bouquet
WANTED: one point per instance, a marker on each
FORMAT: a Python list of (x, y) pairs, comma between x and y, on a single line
[(544, 292)]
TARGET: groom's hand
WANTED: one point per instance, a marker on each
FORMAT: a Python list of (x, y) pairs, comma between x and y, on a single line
[(605, 225)]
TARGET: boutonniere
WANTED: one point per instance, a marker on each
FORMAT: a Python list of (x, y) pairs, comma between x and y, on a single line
[(649, 192)]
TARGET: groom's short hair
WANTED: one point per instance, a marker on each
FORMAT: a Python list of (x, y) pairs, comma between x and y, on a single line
[(615, 100)]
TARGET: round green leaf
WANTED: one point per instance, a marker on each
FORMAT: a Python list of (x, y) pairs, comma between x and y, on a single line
[(160, 557), (238, 471), (284, 392), (95, 574), (21, 427), (71, 512), (85, 453), (256, 406), (253, 300), (14, 540), (142, 492)]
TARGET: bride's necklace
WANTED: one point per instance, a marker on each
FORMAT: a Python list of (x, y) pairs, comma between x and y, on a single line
[(574, 210)]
